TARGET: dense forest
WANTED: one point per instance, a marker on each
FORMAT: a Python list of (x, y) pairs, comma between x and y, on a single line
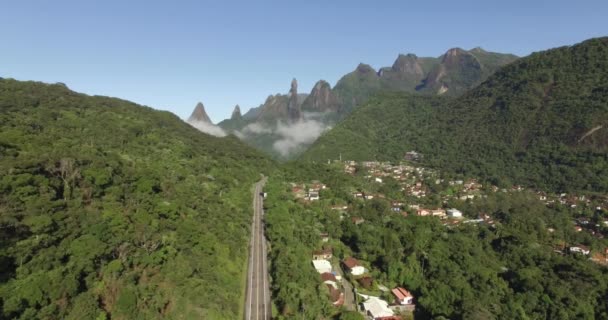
[(113, 210), (539, 121), (507, 270)]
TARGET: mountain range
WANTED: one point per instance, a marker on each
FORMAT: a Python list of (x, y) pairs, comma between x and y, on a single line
[(540, 121), (270, 127)]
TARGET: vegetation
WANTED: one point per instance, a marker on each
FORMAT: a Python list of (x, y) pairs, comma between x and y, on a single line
[(113, 210), (505, 271), (540, 121)]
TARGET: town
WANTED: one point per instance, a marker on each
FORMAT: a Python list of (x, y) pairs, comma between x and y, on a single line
[(410, 190)]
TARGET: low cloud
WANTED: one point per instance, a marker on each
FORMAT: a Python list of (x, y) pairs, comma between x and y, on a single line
[(294, 136), (255, 128), (208, 128), (288, 137)]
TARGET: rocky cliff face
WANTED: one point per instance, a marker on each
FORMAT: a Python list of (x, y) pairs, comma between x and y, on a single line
[(321, 99), (199, 114), (408, 65), (458, 69)]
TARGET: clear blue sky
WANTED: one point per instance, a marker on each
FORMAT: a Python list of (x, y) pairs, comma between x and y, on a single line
[(171, 54)]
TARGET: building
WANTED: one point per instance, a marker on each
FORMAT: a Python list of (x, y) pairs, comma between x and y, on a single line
[(402, 296), (376, 308), (324, 236), (335, 296), (322, 266), (353, 266), (313, 196), (438, 212), (580, 249), (324, 254), (329, 278), (357, 220), (454, 213), (413, 156)]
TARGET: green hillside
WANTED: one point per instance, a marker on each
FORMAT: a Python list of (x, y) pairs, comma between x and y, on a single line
[(539, 121), (113, 210)]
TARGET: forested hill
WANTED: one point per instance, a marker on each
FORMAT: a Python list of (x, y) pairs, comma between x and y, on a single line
[(113, 210), (541, 121)]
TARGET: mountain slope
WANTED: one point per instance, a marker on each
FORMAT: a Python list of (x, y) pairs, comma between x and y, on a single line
[(540, 121), (113, 210)]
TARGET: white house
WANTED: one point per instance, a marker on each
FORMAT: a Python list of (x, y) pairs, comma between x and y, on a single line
[(353, 266), (322, 266), (580, 249), (454, 213), (313, 195), (403, 296), (376, 308)]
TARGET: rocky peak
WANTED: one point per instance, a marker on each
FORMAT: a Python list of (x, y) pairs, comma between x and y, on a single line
[(477, 50), (321, 98), (199, 114), (236, 113), (453, 55), (365, 68), (408, 64), (293, 91)]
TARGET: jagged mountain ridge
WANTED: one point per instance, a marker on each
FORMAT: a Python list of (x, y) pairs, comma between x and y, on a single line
[(450, 74)]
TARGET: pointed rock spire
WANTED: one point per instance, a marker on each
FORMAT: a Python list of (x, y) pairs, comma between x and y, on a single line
[(236, 113), (293, 107), (199, 114)]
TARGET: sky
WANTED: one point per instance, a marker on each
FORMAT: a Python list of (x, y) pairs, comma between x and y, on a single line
[(169, 55)]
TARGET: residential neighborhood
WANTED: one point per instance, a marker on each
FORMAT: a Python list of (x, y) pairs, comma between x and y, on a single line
[(420, 192)]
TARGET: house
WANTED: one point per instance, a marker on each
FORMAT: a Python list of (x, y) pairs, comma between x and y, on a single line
[(366, 282), (322, 266), (438, 212), (423, 212), (454, 213), (353, 266), (324, 236), (580, 249), (357, 220), (402, 296), (413, 156), (329, 278), (324, 254), (376, 308), (335, 296), (313, 195)]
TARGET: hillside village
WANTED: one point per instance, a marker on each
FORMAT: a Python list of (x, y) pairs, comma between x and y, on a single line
[(423, 192)]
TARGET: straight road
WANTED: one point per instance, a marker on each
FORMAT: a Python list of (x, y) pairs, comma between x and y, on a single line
[(257, 304)]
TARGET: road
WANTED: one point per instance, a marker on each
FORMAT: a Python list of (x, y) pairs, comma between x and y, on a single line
[(349, 293), (257, 303)]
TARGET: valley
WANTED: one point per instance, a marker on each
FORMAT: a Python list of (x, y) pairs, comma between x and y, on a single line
[(455, 184)]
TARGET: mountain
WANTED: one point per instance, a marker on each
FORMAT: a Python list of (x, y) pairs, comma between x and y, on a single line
[(451, 74), (113, 210), (540, 121), (199, 114), (200, 120)]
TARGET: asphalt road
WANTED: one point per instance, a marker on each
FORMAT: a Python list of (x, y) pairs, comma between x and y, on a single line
[(257, 304)]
